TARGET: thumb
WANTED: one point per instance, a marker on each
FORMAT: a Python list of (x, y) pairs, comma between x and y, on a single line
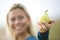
[(52, 21)]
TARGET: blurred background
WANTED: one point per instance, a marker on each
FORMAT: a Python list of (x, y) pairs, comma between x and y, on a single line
[(35, 9)]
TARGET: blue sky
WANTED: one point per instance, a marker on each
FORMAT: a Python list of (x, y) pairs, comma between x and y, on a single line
[(35, 8)]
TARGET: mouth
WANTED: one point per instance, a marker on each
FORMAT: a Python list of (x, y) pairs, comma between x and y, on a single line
[(18, 28)]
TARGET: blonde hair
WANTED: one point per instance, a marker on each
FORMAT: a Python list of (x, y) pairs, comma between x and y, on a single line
[(20, 6)]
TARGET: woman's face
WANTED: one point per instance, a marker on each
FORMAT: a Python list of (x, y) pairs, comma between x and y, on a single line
[(18, 21)]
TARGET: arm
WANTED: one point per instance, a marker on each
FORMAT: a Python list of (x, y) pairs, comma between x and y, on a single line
[(43, 36), (44, 30)]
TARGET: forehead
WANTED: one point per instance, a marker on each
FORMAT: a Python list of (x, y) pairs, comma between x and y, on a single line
[(16, 12)]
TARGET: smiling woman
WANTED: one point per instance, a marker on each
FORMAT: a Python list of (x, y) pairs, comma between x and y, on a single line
[(19, 23), (20, 26)]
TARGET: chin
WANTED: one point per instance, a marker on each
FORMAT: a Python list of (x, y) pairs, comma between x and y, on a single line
[(19, 32)]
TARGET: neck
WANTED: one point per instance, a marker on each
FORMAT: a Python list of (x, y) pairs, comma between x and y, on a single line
[(22, 36)]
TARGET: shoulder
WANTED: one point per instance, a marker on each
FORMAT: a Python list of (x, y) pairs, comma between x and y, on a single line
[(31, 38)]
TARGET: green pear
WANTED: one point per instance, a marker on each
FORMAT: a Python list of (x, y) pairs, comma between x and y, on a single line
[(44, 17)]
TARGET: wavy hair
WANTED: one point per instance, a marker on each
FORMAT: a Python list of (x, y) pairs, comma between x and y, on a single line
[(20, 6)]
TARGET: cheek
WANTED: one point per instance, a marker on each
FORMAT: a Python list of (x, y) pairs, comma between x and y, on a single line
[(25, 21), (11, 25)]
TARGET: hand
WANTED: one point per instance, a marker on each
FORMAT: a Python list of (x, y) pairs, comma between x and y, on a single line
[(44, 26)]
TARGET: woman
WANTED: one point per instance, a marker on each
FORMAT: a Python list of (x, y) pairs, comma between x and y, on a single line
[(19, 24)]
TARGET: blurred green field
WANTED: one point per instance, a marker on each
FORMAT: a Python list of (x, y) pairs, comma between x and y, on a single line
[(54, 32)]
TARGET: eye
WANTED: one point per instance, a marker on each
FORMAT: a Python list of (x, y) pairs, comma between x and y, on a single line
[(21, 17), (12, 19)]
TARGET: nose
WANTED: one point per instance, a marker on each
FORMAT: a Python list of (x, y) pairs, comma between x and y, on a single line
[(17, 22)]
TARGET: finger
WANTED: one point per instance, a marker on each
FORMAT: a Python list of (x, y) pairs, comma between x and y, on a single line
[(47, 25), (40, 27), (44, 27), (40, 23), (41, 30), (51, 21)]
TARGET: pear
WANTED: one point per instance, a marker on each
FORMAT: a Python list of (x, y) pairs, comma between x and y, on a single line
[(44, 17)]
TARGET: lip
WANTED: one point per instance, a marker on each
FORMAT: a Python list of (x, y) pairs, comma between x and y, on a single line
[(18, 28)]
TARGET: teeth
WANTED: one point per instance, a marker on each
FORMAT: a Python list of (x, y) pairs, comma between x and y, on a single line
[(19, 27)]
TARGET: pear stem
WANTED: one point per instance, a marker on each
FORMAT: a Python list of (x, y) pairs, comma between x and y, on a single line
[(46, 11)]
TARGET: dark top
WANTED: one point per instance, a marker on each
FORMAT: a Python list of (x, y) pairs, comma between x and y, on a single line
[(40, 36), (43, 36)]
